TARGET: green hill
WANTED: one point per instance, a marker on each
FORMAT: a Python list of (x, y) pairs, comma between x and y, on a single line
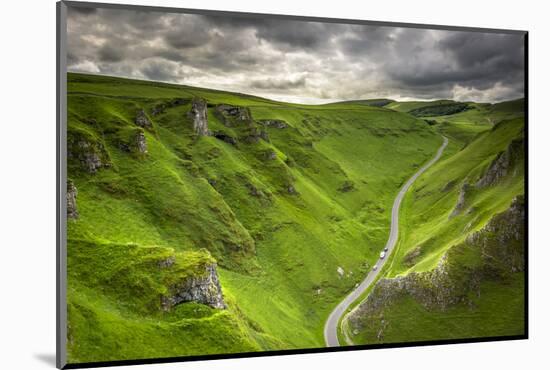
[(279, 196)]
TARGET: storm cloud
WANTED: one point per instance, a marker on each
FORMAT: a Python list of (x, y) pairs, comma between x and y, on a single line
[(309, 62)]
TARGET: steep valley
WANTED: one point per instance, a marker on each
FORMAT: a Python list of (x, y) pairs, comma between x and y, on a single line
[(203, 221)]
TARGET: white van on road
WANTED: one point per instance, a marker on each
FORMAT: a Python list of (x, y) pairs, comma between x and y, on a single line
[(382, 255)]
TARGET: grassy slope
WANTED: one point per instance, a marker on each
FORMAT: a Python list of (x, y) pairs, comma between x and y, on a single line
[(275, 250), (425, 225)]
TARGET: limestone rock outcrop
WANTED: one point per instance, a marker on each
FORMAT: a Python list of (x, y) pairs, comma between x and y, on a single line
[(503, 164), (462, 199), (88, 152), (142, 120), (231, 115), (72, 211), (199, 115), (204, 288), (141, 142)]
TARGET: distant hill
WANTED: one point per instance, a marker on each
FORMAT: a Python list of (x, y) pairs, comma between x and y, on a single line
[(412, 105), (371, 102), (511, 106)]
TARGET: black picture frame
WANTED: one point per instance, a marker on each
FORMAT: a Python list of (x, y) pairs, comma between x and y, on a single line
[(61, 175)]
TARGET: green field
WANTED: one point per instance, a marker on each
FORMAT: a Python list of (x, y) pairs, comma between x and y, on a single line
[(279, 209)]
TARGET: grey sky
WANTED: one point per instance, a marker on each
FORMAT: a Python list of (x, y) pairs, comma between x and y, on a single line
[(308, 62)]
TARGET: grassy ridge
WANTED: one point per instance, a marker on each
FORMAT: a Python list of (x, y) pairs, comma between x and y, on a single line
[(277, 249)]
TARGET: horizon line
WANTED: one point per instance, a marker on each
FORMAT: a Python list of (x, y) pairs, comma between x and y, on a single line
[(334, 101)]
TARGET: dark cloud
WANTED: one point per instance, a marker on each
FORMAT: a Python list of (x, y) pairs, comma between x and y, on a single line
[(187, 32), (159, 70), (279, 31), (473, 49), (294, 60), (304, 35), (179, 41), (72, 59), (110, 53), (363, 40), (468, 59), (171, 55)]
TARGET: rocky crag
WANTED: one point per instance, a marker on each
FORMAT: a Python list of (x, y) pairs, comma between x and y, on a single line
[(231, 115), (203, 289), (504, 163), (199, 115), (135, 143), (462, 198), (141, 142), (72, 211), (87, 152), (142, 120)]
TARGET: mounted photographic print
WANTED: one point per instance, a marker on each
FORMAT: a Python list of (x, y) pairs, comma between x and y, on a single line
[(236, 184)]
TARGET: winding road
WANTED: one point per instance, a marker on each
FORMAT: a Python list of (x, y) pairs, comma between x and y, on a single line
[(331, 326)]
